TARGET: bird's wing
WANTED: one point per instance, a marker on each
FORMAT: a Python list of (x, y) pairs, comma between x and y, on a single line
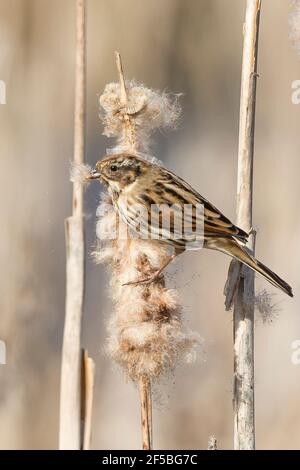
[(175, 189), (163, 189)]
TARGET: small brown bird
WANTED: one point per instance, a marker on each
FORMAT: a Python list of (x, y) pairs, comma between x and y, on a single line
[(135, 183)]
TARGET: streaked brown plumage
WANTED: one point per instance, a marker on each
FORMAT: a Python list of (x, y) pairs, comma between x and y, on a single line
[(134, 182)]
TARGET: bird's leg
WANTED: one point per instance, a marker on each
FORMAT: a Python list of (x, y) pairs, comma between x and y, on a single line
[(154, 276)]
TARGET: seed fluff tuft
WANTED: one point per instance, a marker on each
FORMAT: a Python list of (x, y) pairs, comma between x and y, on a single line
[(146, 110), (79, 173), (294, 25), (266, 307), (146, 334)]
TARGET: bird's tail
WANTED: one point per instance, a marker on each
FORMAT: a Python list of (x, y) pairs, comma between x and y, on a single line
[(232, 248)]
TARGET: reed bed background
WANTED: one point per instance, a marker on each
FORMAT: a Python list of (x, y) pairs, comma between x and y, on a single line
[(198, 50)]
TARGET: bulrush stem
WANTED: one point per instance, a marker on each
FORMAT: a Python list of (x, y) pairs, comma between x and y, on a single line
[(70, 387), (128, 121), (123, 97), (88, 379), (146, 412), (144, 381), (243, 315)]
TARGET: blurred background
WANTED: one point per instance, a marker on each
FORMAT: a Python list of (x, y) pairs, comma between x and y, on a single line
[(192, 47)]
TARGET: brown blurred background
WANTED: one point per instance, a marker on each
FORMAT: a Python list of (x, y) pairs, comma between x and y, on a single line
[(188, 46)]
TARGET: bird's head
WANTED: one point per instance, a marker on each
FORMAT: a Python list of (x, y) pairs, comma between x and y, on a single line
[(119, 170)]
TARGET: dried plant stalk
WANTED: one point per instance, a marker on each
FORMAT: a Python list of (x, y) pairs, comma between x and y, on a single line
[(146, 412), (88, 375), (70, 399), (144, 381), (146, 336), (244, 303)]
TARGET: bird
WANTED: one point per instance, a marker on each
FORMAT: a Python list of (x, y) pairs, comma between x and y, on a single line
[(136, 186)]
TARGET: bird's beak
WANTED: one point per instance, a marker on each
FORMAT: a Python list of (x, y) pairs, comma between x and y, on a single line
[(94, 175)]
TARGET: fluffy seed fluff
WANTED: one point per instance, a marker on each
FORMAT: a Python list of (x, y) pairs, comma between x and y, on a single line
[(266, 307), (132, 124), (294, 25), (146, 335), (79, 173), (212, 443)]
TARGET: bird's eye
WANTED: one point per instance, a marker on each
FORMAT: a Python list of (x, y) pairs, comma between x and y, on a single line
[(113, 168)]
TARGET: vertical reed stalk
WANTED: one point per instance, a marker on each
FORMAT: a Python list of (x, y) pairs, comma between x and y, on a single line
[(146, 412), (88, 375), (70, 392), (243, 323), (144, 382)]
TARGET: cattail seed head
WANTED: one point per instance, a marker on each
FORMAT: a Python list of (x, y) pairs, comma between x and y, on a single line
[(146, 335)]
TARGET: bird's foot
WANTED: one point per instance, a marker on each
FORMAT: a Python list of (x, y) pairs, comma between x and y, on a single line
[(144, 282)]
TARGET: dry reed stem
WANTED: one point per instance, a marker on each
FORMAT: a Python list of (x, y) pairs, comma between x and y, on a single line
[(123, 97), (244, 302), (88, 375), (146, 336), (146, 412), (144, 382), (70, 391)]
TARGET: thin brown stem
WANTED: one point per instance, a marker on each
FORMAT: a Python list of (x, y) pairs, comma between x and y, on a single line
[(146, 412), (125, 114), (144, 382), (121, 79)]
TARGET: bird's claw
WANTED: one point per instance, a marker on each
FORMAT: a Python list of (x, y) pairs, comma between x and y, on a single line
[(143, 282)]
